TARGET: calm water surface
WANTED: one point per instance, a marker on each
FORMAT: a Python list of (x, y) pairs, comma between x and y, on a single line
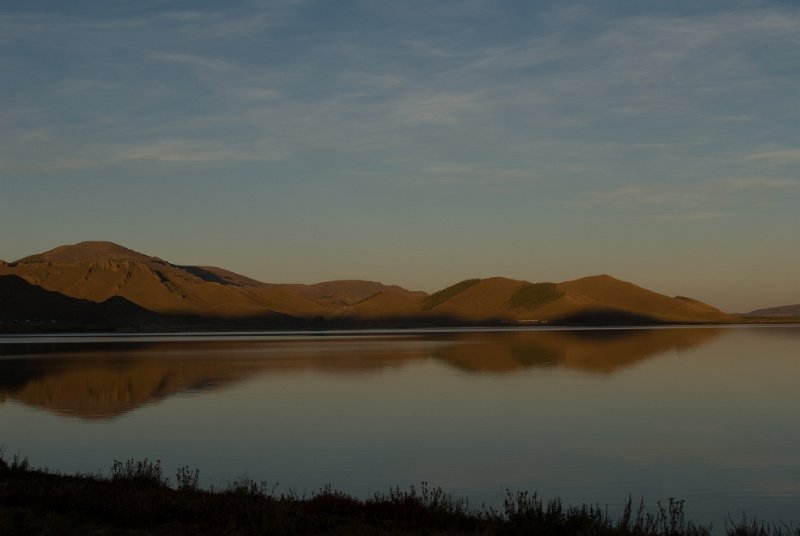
[(705, 414)]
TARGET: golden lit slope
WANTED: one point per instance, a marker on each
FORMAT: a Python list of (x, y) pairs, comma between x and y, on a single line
[(483, 299), (97, 271), (84, 252), (392, 303)]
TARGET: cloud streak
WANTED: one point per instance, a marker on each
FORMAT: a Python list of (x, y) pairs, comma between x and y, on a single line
[(215, 65), (783, 157), (711, 199)]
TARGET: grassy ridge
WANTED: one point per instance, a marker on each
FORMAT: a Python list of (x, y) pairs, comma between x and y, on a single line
[(136, 499), (535, 295), (441, 296)]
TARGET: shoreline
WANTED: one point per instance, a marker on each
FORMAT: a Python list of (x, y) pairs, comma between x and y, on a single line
[(21, 328), (232, 331)]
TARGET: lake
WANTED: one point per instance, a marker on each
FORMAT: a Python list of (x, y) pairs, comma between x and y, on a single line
[(707, 414)]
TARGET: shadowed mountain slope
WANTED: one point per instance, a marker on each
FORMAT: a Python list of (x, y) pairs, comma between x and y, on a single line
[(23, 301), (213, 274), (99, 271)]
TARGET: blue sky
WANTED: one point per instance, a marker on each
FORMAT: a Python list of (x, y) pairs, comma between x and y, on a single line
[(416, 143)]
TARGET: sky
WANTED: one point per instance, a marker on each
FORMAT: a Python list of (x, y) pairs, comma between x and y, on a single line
[(415, 143)]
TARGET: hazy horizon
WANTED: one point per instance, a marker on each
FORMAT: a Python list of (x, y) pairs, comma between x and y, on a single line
[(413, 144)]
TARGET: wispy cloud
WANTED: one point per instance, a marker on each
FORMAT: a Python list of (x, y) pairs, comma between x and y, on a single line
[(781, 157), (194, 60), (463, 173), (190, 151), (750, 183), (74, 86), (442, 108), (706, 200), (164, 151), (690, 215)]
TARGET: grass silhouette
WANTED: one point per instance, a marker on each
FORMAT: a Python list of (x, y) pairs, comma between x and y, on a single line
[(137, 498)]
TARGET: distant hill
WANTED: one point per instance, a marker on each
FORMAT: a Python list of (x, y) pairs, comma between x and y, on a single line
[(784, 310), (598, 299), (97, 271), (101, 271), (347, 293)]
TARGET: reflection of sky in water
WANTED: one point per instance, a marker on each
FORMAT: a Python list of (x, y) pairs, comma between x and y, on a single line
[(706, 415)]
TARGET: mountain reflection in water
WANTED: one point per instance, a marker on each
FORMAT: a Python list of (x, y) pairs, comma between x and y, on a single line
[(103, 380)]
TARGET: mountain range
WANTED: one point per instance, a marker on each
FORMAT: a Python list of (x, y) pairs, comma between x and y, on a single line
[(93, 283)]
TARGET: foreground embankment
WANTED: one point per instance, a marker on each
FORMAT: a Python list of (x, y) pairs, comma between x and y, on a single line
[(136, 498)]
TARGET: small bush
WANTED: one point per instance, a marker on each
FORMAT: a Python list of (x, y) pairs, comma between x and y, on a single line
[(18, 463), (187, 479), (752, 527), (143, 472), (247, 486)]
